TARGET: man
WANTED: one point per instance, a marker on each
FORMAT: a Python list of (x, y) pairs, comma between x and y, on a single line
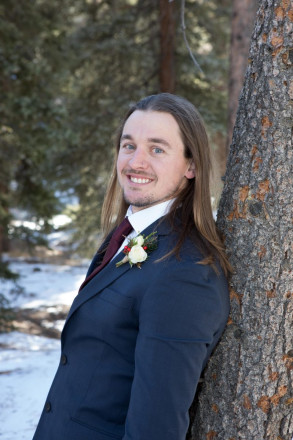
[(145, 321)]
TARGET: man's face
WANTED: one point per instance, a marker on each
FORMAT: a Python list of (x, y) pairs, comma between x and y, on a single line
[(151, 165)]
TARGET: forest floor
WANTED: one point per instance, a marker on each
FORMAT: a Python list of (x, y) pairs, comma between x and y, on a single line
[(30, 351)]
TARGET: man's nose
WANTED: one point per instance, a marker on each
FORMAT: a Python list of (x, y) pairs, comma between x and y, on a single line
[(138, 159)]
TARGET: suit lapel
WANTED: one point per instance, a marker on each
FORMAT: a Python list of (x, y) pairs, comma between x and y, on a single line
[(110, 273), (99, 282)]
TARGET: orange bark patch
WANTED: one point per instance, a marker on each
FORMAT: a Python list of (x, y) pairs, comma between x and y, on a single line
[(243, 193), (236, 296), (264, 404), (277, 51), (271, 293), (263, 189), (282, 390), (286, 59), (257, 160), (256, 163), (262, 252), (290, 14), (285, 4), (273, 376), (288, 362), (277, 40), (246, 402), (254, 150), (211, 435), (264, 37), (230, 216), (280, 13), (215, 408), (265, 122), (235, 213), (289, 401), (230, 321), (239, 213)]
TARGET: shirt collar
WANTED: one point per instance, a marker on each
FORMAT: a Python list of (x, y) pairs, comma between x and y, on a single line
[(142, 219)]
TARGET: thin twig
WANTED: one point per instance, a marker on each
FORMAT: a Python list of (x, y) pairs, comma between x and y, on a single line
[(183, 28)]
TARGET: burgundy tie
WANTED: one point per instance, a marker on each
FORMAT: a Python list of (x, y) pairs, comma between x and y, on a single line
[(116, 240)]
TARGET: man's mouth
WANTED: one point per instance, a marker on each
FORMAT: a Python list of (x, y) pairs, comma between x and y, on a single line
[(139, 179)]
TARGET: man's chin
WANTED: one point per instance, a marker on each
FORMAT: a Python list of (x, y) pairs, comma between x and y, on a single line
[(139, 203)]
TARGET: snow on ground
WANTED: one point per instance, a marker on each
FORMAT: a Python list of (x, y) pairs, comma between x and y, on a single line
[(45, 284), (27, 369), (28, 362)]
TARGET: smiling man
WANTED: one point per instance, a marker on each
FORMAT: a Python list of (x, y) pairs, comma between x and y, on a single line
[(151, 163), (155, 300)]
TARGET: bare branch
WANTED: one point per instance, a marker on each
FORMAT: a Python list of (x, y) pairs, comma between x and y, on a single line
[(183, 28)]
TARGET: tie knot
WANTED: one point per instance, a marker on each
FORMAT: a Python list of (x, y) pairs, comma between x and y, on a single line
[(117, 239)]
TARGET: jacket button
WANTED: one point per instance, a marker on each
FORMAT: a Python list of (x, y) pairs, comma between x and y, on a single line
[(63, 359), (48, 407)]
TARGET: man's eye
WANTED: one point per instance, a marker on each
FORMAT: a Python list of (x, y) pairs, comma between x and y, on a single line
[(128, 146), (158, 150)]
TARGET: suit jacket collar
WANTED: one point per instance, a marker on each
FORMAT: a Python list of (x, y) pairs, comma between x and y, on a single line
[(110, 273)]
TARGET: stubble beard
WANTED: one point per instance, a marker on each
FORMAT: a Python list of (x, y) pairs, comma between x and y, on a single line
[(148, 201)]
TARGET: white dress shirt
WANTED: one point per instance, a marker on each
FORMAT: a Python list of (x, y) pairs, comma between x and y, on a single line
[(140, 220)]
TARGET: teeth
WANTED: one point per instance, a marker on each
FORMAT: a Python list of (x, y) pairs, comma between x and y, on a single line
[(136, 180)]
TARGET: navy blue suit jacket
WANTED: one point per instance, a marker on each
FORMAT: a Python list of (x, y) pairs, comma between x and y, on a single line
[(133, 347)]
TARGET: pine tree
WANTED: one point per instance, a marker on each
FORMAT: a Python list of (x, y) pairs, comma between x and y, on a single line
[(247, 390)]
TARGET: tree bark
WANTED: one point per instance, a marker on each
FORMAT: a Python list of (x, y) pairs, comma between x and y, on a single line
[(167, 46), (243, 17), (247, 391)]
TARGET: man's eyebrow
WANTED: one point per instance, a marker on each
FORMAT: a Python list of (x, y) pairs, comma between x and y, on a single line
[(159, 141), (150, 140), (126, 136)]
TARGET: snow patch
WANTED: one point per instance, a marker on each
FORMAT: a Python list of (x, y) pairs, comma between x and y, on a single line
[(28, 362)]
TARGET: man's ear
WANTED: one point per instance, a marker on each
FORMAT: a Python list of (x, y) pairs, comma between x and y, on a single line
[(190, 173)]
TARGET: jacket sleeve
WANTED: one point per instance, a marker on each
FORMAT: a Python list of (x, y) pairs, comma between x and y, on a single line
[(182, 316)]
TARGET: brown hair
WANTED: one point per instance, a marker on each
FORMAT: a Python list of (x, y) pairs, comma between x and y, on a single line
[(194, 200)]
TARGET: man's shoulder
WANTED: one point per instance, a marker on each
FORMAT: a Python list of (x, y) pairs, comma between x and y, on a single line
[(169, 235)]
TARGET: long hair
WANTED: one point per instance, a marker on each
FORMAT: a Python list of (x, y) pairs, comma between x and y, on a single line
[(194, 200)]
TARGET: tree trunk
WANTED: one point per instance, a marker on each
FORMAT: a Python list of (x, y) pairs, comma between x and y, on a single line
[(243, 17), (247, 391), (167, 46)]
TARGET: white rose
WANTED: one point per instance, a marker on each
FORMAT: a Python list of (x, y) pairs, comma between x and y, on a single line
[(139, 240), (137, 254)]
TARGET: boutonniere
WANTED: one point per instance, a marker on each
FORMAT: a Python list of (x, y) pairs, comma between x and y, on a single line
[(138, 249)]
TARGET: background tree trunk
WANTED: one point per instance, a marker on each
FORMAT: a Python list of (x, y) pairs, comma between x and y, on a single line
[(247, 391), (243, 18), (167, 47)]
